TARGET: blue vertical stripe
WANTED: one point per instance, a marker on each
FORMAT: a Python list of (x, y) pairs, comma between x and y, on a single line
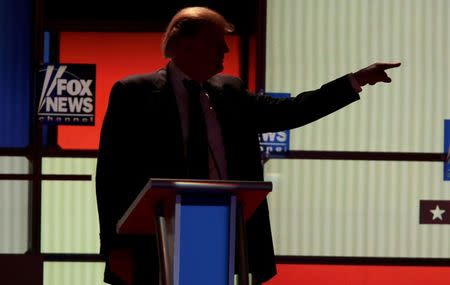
[(447, 149), (46, 47), (46, 57), (15, 71)]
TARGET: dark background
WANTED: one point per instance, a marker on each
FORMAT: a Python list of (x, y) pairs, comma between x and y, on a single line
[(148, 15)]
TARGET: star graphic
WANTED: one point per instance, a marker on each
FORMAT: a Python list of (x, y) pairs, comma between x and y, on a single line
[(437, 213)]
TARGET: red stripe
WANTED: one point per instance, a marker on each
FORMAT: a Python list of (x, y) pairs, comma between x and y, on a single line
[(359, 275)]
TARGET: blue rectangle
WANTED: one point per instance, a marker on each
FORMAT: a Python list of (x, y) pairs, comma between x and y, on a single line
[(275, 142), (204, 244), (46, 50), (16, 46), (447, 149)]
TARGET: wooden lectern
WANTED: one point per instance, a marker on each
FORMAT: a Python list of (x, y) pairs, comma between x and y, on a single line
[(198, 224)]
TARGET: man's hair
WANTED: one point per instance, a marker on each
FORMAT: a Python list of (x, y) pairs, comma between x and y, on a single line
[(189, 21)]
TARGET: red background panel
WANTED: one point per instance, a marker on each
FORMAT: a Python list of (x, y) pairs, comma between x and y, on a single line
[(252, 64), (117, 55), (359, 275)]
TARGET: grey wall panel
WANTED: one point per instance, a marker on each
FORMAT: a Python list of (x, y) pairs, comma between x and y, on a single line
[(13, 216), (14, 206), (14, 165)]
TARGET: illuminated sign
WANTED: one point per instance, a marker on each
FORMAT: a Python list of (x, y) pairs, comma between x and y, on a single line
[(277, 142), (67, 94)]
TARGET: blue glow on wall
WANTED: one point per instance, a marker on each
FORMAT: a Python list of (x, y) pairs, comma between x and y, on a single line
[(447, 150), (16, 47)]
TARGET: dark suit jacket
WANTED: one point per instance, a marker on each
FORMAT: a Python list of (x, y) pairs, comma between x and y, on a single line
[(141, 138)]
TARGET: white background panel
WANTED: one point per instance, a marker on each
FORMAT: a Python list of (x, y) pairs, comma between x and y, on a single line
[(355, 208), (310, 42)]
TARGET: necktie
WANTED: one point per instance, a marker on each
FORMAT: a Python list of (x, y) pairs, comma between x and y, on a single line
[(217, 160), (197, 142)]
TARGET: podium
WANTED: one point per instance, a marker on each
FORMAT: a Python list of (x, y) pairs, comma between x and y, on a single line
[(198, 224)]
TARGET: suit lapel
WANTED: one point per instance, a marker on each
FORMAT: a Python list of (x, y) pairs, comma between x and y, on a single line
[(170, 118)]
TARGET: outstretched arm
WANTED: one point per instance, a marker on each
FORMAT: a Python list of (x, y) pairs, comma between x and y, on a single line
[(275, 114)]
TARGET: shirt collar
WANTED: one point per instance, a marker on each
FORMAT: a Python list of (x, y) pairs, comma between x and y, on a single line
[(176, 78)]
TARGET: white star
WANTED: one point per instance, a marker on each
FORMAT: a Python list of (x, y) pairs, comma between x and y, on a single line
[(437, 213)]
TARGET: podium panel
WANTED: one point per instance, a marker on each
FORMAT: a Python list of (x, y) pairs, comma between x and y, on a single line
[(207, 255), (195, 222)]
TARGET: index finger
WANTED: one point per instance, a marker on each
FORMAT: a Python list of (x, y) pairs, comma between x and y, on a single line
[(385, 65)]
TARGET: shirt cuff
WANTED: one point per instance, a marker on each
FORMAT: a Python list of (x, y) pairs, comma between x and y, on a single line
[(354, 83)]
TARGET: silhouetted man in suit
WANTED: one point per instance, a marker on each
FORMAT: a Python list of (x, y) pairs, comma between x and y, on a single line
[(156, 128)]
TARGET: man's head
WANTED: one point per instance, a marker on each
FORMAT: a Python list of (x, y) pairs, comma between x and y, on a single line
[(195, 41)]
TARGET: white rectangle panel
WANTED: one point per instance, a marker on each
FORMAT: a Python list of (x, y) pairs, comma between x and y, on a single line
[(310, 42), (356, 208)]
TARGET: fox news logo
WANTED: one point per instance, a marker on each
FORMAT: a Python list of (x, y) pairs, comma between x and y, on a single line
[(275, 142), (67, 94)]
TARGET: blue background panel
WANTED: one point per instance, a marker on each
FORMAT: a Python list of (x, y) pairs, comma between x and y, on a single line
[(15, 71)]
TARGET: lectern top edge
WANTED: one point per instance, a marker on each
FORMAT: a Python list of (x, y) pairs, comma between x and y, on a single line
[(163, 191), (189, 184)]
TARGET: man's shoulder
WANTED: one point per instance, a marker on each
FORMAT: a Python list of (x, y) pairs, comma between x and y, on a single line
[(152, 80), (223, 80)]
